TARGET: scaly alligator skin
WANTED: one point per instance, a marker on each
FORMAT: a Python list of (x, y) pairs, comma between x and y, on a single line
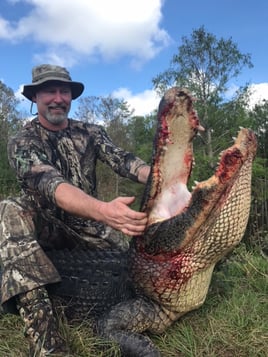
[(167, 271)]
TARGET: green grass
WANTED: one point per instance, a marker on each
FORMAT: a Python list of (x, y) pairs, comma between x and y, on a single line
[(233, 322)]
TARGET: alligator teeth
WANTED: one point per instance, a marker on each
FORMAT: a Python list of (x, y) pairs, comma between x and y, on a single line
[(195, 184)]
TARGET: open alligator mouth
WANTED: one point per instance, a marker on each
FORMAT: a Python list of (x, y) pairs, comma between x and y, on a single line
[(175, 214), (189, 232)]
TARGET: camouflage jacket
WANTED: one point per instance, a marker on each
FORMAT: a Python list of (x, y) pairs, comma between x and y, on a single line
[(43, 159)]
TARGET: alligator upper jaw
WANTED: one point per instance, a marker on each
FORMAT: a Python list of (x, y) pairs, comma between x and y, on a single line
[(172, 161), (207, 202)]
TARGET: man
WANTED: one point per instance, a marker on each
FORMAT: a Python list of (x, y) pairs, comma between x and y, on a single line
[(55, 161)]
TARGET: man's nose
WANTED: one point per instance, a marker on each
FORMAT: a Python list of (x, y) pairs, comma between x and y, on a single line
[(58, 98)]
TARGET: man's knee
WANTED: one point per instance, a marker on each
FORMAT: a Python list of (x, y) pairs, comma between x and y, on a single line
[(16, 218)]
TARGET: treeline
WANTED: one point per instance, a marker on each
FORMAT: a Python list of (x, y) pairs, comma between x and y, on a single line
[(10, 121), (203, 64)]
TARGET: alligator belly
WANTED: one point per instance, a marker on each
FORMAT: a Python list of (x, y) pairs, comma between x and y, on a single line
[(92, 281)]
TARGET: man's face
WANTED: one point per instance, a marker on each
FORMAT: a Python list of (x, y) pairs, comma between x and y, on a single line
[(54, 102)]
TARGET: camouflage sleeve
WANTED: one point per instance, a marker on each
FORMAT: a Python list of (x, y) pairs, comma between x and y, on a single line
[(35, 172), (122, 162)]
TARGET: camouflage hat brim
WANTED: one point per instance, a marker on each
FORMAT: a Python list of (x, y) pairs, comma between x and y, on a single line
[(30, 90), (47, 74)]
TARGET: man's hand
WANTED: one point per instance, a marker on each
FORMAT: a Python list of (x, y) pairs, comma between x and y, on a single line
[(115, 213), (119, 216)]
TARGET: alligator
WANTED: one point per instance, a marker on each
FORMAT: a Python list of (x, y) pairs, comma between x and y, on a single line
[(166, 272)]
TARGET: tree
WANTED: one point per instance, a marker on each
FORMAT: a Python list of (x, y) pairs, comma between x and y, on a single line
[(141, 131), (259, 119), (88, 109), (113, 114), (205, 65), (257, 231), (9, 123)]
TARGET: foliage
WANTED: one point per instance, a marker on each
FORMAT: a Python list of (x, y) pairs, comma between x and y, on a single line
[(142, 131), (259, 121), (204, 64), (9, 123), (257, 231), (134, 134), (99, 109), (88, 109)]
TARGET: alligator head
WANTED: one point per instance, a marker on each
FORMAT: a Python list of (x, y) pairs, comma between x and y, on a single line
[(188, 233)]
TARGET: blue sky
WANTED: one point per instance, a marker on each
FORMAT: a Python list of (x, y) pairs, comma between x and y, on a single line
[(118, 46)]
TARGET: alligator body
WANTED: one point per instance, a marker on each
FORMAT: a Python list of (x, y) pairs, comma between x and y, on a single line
[(167, 271)]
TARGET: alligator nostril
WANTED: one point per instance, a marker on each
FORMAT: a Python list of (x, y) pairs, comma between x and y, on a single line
[(180, 94)]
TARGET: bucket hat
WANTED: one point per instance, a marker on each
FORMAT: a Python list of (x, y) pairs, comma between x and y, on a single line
[(51, 73)]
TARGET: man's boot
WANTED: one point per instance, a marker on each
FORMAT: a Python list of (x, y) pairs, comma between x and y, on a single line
[(41, 328)]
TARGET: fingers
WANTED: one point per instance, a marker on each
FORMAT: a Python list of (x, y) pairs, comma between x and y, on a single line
[(133, 230), (135, 225), (125, 219), (127, 214), (126, 200), (136, 218)]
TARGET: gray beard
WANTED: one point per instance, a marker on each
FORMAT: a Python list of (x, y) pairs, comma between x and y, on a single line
[(56, 119)]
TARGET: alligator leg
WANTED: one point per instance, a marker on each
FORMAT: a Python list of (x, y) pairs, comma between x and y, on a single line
[(125, 322)]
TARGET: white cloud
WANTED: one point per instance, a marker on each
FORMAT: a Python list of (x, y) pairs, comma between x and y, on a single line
[(147, 101), (143, 103), (92, 28), (259, 92)]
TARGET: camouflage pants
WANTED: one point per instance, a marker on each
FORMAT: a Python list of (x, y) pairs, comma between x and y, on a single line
[(24, 237)]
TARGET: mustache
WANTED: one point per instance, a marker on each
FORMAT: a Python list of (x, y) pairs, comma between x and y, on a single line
[(57, 107)]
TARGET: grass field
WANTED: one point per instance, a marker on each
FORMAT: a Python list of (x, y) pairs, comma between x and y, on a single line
[(233, 322)]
